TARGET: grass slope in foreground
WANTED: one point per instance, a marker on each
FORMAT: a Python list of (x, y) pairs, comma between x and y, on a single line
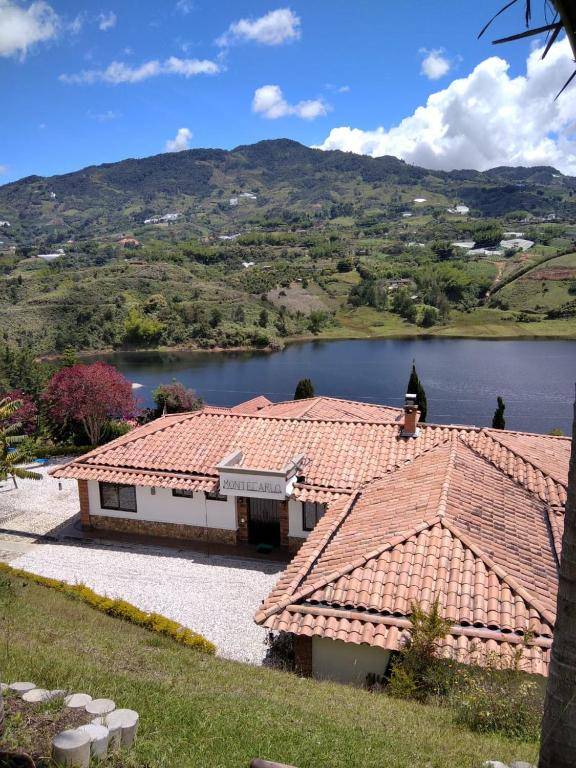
[(198, 710)]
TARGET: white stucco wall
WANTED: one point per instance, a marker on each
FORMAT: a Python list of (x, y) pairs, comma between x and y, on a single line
[(346, 662), (162, 507), (295, 519)]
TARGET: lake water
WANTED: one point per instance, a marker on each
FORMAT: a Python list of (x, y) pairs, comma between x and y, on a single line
[(462, 377)]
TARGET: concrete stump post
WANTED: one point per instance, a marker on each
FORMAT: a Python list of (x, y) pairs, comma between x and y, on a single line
[(77, 700), (127, 720), (36, 695), (100, 707), (71, 749), (21, 688), (114, 731), (99, 738)]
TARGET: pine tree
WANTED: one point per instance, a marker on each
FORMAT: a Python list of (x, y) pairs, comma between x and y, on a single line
[(304, 389), (498, 421), (415, 388)]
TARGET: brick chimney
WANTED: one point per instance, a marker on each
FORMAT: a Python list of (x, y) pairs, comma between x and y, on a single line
[(411, 417)]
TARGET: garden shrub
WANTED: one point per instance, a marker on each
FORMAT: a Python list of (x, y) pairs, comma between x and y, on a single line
[(508, 702), (418, 671), (119, 609)]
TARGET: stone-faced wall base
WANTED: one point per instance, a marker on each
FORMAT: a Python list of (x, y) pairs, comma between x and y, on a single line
[(303, 655), (165, 530), (84, 503)]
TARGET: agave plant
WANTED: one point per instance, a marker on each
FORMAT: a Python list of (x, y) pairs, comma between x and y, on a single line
[(12, 453)]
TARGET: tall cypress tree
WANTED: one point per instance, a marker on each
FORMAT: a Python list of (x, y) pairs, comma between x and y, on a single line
[(498, 420), (415, 388), (304, 389)]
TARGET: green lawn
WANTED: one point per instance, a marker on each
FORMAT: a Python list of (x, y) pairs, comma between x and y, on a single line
[(201, 711)]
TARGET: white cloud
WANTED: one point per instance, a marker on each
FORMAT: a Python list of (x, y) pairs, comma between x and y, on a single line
[(337, 88), (484, 120), (3, 169), (119, 72), (274, 28), (21, 28), (107, 21), (180, 142), (105, 117), (75, 26), (269, 102), (185, 6), (435, 64)]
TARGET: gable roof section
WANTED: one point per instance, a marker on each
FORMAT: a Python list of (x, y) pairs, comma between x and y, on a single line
[(520, 466), (549, 453), (323, 407), (452, 527), (253, 405)]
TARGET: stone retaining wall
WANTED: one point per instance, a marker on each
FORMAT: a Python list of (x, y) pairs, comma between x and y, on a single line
[(164, 530)]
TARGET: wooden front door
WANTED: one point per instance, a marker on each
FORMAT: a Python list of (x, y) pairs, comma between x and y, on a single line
[(264, 521)]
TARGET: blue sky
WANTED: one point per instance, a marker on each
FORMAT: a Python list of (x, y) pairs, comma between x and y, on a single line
[(87, 83)]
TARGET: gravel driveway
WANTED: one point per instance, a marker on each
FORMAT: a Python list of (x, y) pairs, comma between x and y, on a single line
[(214, 595)]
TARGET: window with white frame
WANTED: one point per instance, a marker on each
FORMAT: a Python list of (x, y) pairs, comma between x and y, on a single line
[(312, 511), (118, 497)]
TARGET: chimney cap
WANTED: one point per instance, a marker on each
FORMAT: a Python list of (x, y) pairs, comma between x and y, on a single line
[(410, 399)]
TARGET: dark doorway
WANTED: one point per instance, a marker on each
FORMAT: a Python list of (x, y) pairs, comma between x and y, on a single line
[(264, 521)]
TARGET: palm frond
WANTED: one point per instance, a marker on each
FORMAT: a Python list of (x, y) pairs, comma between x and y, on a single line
[(25, 474), (528, 33), (552, 39), (566, 84), (505, 8)]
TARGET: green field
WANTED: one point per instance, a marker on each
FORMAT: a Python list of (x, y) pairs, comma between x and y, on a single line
[(198, 710), (528, 293)]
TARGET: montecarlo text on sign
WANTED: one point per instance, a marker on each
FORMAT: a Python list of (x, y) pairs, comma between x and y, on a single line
[(253, 486)]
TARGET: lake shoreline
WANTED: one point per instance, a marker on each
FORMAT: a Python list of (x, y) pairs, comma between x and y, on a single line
[(270, 349)]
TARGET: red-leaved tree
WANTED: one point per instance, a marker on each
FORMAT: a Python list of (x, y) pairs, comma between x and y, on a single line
[(27, 413), (91, 395)]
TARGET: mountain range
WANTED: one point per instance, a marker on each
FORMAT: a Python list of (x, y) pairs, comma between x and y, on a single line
[(215, 190)]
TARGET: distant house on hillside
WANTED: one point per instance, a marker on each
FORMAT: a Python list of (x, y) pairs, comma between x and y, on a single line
[(5, 223), (51, 256), (167, 217), (380, 509), (461, 209)]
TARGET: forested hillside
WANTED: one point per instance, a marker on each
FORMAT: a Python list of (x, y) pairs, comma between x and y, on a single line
[(210, 248)]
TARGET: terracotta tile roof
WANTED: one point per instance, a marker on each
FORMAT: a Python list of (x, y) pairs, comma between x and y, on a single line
[(469, 648), (517, 461), (549, 454), (451, 525), (148, 479), (333, 408), (342, 454), (252, 406)]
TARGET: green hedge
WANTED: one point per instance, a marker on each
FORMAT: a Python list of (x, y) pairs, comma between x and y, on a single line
[(119, 609)]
